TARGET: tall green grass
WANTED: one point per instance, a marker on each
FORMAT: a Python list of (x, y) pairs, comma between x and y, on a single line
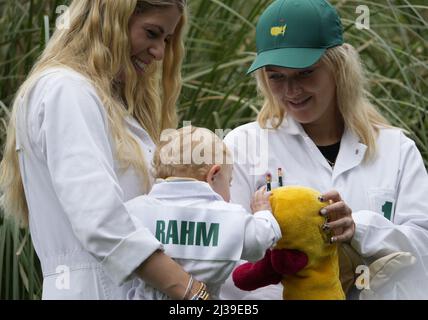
[(217, 93)]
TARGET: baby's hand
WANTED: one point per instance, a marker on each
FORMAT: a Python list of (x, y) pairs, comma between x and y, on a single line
[(261, 201)]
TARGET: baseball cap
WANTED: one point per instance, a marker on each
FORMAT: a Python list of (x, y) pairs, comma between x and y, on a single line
[(296, 33)]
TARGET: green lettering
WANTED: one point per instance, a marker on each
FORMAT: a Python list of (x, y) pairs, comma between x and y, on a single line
[(160, 231), (201, 234), (172, 233), (187, 233), (387, 210)]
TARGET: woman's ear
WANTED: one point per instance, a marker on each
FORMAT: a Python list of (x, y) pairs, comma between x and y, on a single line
[(212, 173)]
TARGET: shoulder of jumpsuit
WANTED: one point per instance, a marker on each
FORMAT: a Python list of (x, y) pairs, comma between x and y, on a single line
[(197, 190), (232, 207), (56, 81), (394, 135), (135, 207), (240, 132), (287, 126), (183, 189), (394, 145), (67, 77)]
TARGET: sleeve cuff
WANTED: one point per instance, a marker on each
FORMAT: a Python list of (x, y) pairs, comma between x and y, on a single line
[(266, 214), (130, 254), (361, 219)]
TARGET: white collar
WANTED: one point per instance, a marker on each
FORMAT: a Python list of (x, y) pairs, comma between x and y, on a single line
[(292, 127), (179, 189), (351, 152)]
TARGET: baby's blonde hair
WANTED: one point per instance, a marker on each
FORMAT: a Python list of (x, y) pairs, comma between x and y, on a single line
[(359, 114), (189, 152)]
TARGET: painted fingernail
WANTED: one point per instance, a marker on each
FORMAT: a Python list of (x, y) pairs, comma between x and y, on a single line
[(325, 227), (321, 198), (333, 240), (323, 212)]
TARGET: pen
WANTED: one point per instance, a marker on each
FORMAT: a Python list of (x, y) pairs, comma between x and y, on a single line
[(268, 182), (280, 182)]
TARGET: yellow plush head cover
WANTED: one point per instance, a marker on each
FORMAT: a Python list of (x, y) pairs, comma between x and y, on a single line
[(297, 211)]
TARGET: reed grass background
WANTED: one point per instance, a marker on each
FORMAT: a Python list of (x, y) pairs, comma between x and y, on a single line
[(217, 93)]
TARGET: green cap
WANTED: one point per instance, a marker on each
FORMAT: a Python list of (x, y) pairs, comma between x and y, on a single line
[(296, 33)]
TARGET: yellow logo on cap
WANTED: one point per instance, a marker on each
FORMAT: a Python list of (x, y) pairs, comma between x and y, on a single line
[(276, 31)]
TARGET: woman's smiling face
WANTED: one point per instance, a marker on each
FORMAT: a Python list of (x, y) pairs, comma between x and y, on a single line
[(308, 95), (149, 33)]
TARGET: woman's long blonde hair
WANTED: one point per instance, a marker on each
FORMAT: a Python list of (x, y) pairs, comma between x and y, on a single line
[(94, 47), (358, 113)]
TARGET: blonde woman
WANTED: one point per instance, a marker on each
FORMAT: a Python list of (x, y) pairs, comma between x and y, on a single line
[(319, 127), (82, 133)]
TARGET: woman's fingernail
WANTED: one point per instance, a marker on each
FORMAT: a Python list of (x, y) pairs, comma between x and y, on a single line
[(323, 212), (333, 240), (325, 227)]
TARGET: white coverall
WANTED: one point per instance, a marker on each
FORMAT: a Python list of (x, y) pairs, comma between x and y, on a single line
[(241, 235), (76, 190)]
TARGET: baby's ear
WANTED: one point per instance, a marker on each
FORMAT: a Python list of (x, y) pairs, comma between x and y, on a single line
[(213, 172)]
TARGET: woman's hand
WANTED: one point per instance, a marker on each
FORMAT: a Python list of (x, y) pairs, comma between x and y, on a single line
[(260, 200), (339, 218)]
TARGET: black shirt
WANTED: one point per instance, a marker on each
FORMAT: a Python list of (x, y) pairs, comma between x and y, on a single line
[(330, 152)]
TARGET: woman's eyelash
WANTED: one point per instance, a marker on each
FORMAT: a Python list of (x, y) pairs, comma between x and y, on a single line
[(275, 76), (151, 33), (306, 72)]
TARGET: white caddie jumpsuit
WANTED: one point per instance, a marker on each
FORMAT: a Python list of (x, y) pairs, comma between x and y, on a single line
[(388, 196), (240, 235), (76, 191)]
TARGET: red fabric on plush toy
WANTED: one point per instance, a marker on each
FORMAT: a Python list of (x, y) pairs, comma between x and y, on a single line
[(270, 270)]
